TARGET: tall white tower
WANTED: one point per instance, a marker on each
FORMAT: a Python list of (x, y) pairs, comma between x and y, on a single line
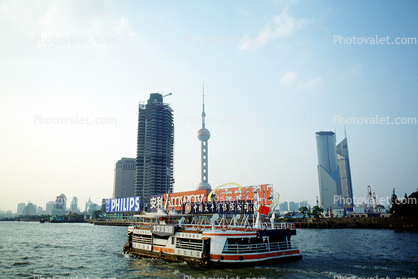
[(203, 135)]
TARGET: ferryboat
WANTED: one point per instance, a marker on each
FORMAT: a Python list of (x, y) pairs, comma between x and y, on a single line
[(211, 241)]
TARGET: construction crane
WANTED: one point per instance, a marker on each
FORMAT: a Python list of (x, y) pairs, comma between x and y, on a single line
[(169, 94), (372, 211)]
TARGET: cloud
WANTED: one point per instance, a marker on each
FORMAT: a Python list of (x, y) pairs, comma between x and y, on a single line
[(281, 26), (64, 19), (310, 84), (288, 77)]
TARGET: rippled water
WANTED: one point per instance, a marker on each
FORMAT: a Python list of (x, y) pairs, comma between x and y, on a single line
[(34, 250)]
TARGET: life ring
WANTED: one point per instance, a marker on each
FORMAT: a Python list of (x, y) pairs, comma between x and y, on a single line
[(248, 228), (223, 228)]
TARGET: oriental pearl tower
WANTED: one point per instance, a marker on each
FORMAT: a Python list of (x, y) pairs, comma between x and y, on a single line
[(203, 135)]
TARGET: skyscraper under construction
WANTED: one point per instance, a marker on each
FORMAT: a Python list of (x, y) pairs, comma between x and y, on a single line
[(154, 159)]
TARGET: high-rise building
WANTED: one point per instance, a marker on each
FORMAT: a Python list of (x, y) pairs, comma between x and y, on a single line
[(88, 203), (30, 209), (155, 143), (328, 171), (293, 206), (124, 183), (304, 203), (74, 205), (335, 187), (203, 135), (60, 205), (345, 174), (283, 207), (20, 208), (49, 207)]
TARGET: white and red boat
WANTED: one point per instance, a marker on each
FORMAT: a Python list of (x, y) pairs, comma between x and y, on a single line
[(211, 241)]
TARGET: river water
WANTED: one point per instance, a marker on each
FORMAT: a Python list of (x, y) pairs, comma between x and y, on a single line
[(34, 250)]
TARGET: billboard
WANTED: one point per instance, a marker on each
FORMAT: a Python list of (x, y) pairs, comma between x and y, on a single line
[(225, 207), (130, 204), (156, 202), (176, 200)]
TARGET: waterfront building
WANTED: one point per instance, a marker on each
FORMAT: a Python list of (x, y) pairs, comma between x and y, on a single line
[(283, 207), (328, 171), (93, 207), (60, 205), (124, 179), (20, 208), (29, 209), (155, 147), (345, 174), (203, 135), (74, 205), (88, 203), (49, 207), (293, 206), (304, 203)]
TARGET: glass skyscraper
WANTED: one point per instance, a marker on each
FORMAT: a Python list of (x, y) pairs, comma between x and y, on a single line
[(335, 189), (154, 160), (345, 174)]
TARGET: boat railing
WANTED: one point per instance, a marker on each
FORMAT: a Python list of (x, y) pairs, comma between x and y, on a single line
[(142, 239), (259, 247), (182, 244)]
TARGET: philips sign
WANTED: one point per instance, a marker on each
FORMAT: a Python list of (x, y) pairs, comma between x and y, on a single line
[(130, 204)]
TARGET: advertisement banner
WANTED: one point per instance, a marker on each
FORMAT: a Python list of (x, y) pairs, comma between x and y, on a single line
[(130, 204), (156, 202), (176, 200), (226, 207)]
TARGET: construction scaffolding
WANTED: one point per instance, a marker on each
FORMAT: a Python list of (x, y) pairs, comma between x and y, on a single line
[(155, 148)]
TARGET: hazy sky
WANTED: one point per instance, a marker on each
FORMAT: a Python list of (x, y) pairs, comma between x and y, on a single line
[(73, 72)]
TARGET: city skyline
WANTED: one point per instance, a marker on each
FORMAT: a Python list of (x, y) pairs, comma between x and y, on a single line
[(73, 73)]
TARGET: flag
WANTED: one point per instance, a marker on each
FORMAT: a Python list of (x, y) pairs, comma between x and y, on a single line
[(264, 210)]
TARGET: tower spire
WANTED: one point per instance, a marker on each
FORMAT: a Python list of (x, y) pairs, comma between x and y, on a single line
[(203, 135), (203, 107)]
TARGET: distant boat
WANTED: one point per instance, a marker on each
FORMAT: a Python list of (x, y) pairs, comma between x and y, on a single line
[(42, 220)]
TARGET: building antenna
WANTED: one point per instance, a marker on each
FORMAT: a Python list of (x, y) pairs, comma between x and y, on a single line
[(203, 104), (345, 132)]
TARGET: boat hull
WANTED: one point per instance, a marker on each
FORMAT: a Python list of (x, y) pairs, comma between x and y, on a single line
[(220, 261)]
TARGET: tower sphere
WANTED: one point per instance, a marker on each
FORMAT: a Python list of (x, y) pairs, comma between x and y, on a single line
[(203, 134)]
